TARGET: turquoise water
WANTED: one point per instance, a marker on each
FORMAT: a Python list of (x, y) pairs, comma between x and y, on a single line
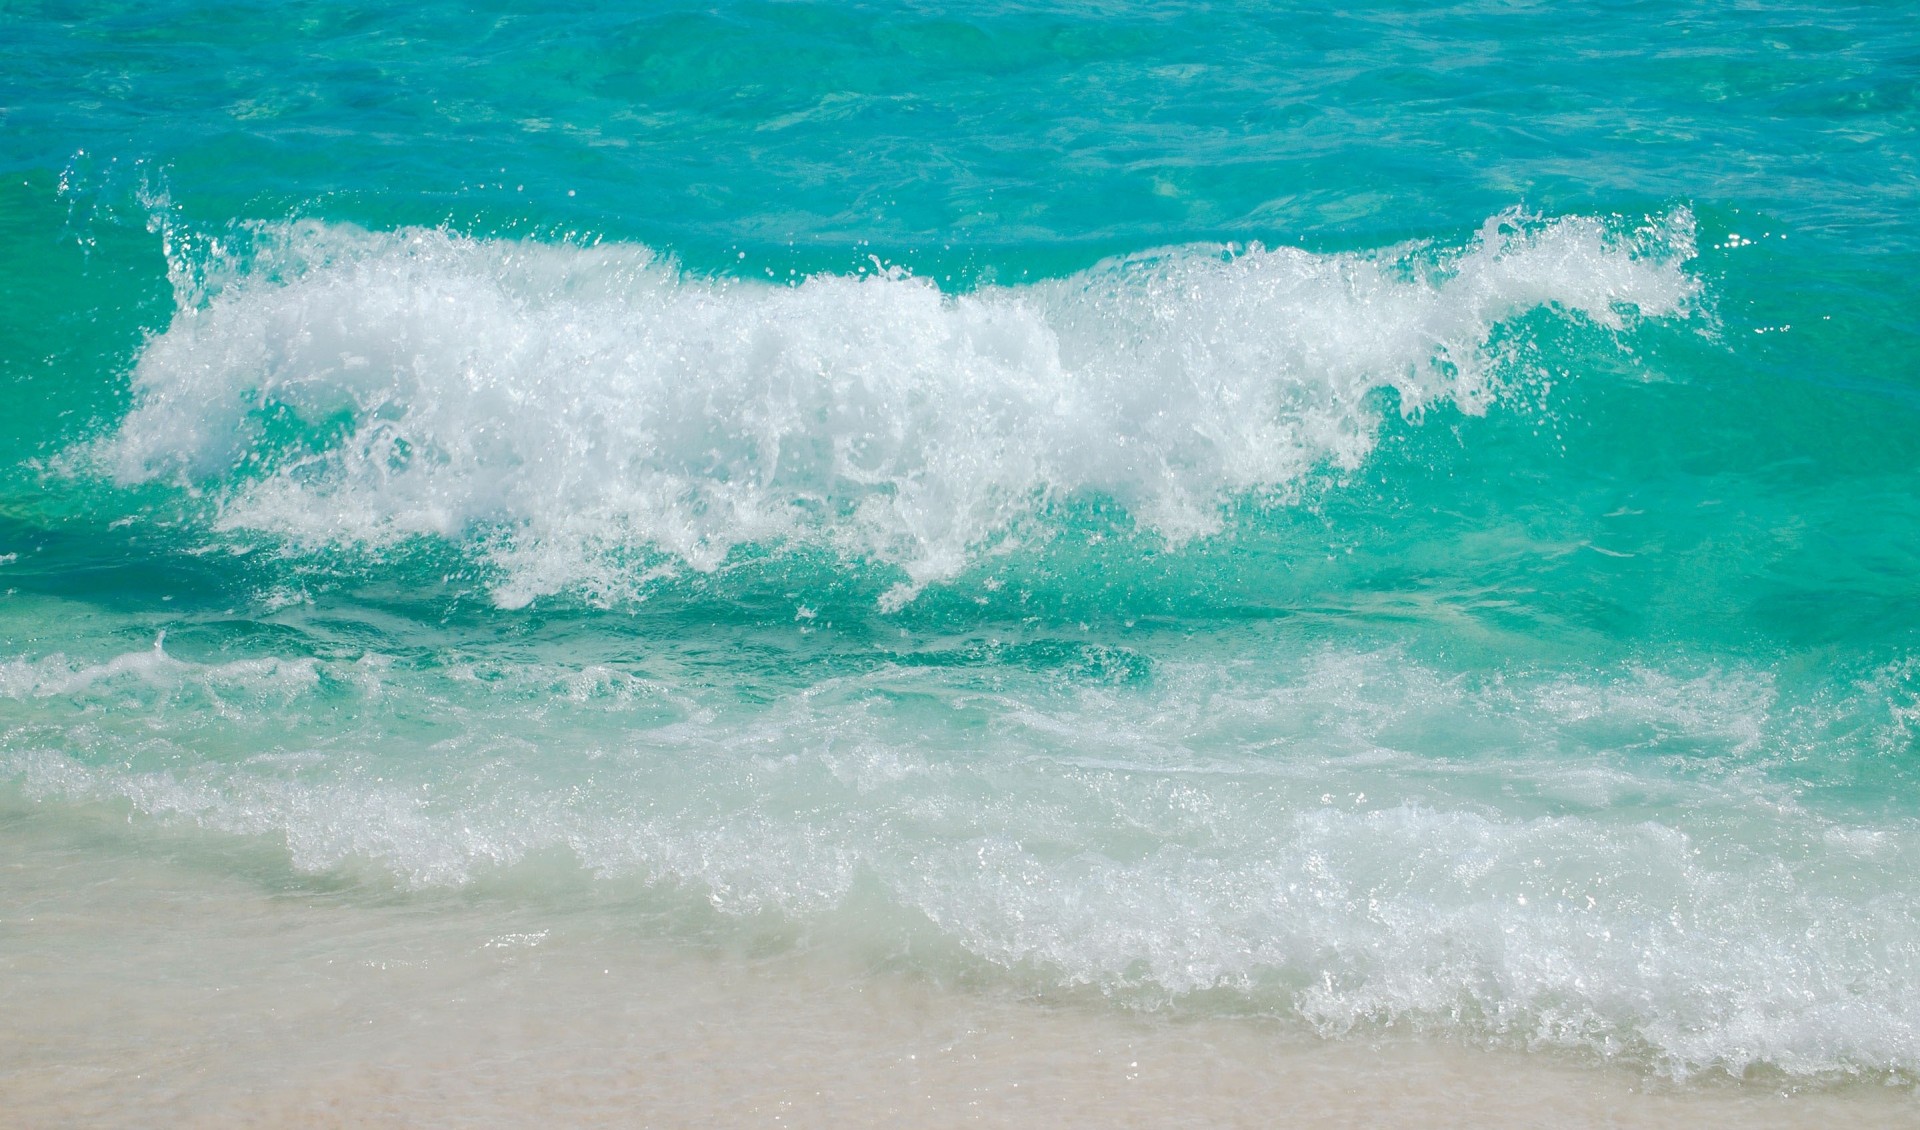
[(1388, 520)]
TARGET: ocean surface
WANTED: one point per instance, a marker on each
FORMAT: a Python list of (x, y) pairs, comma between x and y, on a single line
[(1379, 519)]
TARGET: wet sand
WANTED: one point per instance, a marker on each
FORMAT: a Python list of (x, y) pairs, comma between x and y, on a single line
[(141, 985)]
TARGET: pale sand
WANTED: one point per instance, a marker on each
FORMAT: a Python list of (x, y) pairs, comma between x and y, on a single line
[(153, 988)]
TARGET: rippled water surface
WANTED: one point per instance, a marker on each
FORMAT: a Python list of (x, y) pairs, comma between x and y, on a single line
[(1398, 520)]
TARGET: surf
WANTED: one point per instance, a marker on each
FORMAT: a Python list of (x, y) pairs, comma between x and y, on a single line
[(592, 416)]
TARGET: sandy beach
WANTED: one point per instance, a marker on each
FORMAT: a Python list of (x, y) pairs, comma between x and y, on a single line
[(144, 983)]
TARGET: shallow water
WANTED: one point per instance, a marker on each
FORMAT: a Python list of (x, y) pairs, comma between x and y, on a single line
[(1395, 526), (486, 1007)]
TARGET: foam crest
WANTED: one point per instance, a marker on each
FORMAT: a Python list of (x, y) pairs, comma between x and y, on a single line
[(592, 415), (156, 675)]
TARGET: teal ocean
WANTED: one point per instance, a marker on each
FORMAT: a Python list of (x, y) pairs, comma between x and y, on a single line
[(1380, 519)]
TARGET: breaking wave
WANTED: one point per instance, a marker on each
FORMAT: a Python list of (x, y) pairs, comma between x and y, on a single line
[(589, 416)]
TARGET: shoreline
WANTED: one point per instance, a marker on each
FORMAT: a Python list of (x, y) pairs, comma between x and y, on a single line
[(144, 985)]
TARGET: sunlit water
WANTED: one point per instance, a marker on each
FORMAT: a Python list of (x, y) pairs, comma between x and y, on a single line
[(1388, 522)]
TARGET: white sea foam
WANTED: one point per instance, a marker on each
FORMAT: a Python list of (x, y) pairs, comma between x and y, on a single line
[(1602, 861), (58, 675), (592, 412)]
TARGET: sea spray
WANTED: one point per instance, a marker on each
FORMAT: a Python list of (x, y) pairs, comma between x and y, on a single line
[(576, 406)]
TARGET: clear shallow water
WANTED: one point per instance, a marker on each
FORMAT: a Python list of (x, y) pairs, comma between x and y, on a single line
[(1402, 520)]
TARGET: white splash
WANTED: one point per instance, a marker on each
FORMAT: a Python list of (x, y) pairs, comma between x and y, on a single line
[(578, 408)]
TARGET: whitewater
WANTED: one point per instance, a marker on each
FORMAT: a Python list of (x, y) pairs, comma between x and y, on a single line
[(1330, 830), (865, 563), (580, 405)]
